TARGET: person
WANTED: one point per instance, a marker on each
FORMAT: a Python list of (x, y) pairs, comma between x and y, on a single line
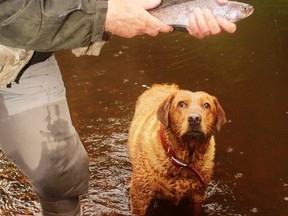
[(36, 131)]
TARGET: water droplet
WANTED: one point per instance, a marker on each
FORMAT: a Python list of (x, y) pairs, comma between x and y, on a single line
[(238, 175), (229, 150), (254, 210)]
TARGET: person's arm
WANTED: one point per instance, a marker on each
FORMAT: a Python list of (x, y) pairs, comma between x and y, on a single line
[(50, 25)]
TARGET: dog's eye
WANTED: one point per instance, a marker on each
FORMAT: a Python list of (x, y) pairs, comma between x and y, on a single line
[(206, 105), (182, 104)]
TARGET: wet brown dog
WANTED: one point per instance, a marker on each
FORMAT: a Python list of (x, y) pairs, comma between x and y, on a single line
[(171, 145)]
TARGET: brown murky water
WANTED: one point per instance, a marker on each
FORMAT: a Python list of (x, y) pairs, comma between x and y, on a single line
[(247, 71)]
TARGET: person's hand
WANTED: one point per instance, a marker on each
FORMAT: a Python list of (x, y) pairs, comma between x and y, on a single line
[(128, 18), (203, 24)]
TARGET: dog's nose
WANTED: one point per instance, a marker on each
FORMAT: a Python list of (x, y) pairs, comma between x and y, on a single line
[(194, 119)]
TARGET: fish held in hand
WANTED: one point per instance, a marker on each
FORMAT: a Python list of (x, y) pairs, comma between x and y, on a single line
[(176, 12)]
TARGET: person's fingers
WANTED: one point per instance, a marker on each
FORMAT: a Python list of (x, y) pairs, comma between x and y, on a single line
[(202, 23), (149, 4), (203, 29), (166, 28), (193, 26), (155, 31), (226, 25), (211, 22), (154, 26), (222, 2)]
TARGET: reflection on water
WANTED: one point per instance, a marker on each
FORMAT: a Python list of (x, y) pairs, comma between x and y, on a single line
[(16, 195), (110, 171), (248, 73)]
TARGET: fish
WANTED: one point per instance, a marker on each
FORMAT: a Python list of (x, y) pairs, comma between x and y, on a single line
[(176, 12)]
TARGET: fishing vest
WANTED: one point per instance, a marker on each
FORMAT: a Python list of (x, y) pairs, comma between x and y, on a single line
[(12, 61)]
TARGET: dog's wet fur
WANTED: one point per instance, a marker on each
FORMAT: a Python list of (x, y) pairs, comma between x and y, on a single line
[(189, 119)]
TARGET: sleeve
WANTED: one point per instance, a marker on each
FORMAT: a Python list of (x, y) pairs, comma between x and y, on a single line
[(51, 25)]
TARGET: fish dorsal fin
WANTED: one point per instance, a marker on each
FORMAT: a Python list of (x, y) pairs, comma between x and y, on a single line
[(167, 3)]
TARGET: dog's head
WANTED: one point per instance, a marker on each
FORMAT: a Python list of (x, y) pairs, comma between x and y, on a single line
[(191, 115)]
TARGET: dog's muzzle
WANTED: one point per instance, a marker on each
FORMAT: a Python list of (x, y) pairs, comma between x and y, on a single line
[(194, 130)]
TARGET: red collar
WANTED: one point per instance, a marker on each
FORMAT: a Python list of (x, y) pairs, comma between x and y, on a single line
[(175, 161)]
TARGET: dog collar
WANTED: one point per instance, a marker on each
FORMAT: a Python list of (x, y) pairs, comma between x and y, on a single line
[(175, 161)]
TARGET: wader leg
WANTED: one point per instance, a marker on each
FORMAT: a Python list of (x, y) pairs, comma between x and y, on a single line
[(36, 133)]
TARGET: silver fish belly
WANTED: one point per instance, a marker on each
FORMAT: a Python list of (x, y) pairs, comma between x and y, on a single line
[(176, 12)]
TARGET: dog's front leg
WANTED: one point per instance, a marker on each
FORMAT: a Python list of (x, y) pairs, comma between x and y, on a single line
[(194, 202), (141, 195), (194, 208)]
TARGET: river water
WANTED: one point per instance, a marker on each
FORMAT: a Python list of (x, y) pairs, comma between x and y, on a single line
[(247, 71)]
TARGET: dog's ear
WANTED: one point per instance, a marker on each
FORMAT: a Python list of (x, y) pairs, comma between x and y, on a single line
[(220, 116), (163, 111)]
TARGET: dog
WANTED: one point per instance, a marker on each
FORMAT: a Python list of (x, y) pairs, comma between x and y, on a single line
[(171, 146)]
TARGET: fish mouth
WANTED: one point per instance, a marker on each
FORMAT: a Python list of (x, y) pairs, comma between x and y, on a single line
[(250, 10)]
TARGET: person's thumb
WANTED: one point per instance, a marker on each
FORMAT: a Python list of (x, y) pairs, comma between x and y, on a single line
[(149, 4)]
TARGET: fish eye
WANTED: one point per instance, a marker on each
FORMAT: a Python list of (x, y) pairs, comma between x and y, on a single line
[(245, 8), (206, 105), (182, 104)]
